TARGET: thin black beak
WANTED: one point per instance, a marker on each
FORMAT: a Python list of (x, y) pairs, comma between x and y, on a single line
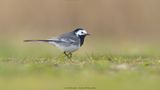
[(88, 34)]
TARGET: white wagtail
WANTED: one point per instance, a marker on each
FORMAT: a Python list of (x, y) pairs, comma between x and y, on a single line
[(67, 42)]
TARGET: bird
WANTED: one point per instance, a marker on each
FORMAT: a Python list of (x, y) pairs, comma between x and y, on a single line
[(68, 42)]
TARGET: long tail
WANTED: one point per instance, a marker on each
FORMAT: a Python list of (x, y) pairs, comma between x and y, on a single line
[(38, 40)]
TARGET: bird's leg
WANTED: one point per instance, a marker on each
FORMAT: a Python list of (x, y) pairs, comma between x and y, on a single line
[(67, 54)]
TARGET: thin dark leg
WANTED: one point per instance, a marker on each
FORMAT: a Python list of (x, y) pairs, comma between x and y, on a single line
[(66, 54), (69, 55)]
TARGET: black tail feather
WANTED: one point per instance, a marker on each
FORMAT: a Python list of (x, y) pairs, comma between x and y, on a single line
[(38, 40)]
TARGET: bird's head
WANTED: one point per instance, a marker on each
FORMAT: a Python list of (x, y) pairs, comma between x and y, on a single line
[(81, 32)]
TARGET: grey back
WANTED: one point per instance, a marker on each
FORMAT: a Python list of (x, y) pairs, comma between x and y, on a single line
[(68, 39)]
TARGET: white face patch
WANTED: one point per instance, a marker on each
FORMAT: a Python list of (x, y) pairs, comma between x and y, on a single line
[(81, 32)]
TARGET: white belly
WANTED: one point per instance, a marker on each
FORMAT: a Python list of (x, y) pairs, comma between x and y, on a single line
[(70, 48)]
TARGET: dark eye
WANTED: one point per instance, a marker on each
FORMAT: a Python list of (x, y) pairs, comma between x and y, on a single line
[(82, 32)]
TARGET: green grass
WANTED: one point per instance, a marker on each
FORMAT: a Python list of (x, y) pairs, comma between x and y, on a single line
[(104, 72), (37, 68)]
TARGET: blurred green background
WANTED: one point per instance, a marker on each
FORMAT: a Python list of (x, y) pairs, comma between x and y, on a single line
[(121, 24), (122, 52)]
